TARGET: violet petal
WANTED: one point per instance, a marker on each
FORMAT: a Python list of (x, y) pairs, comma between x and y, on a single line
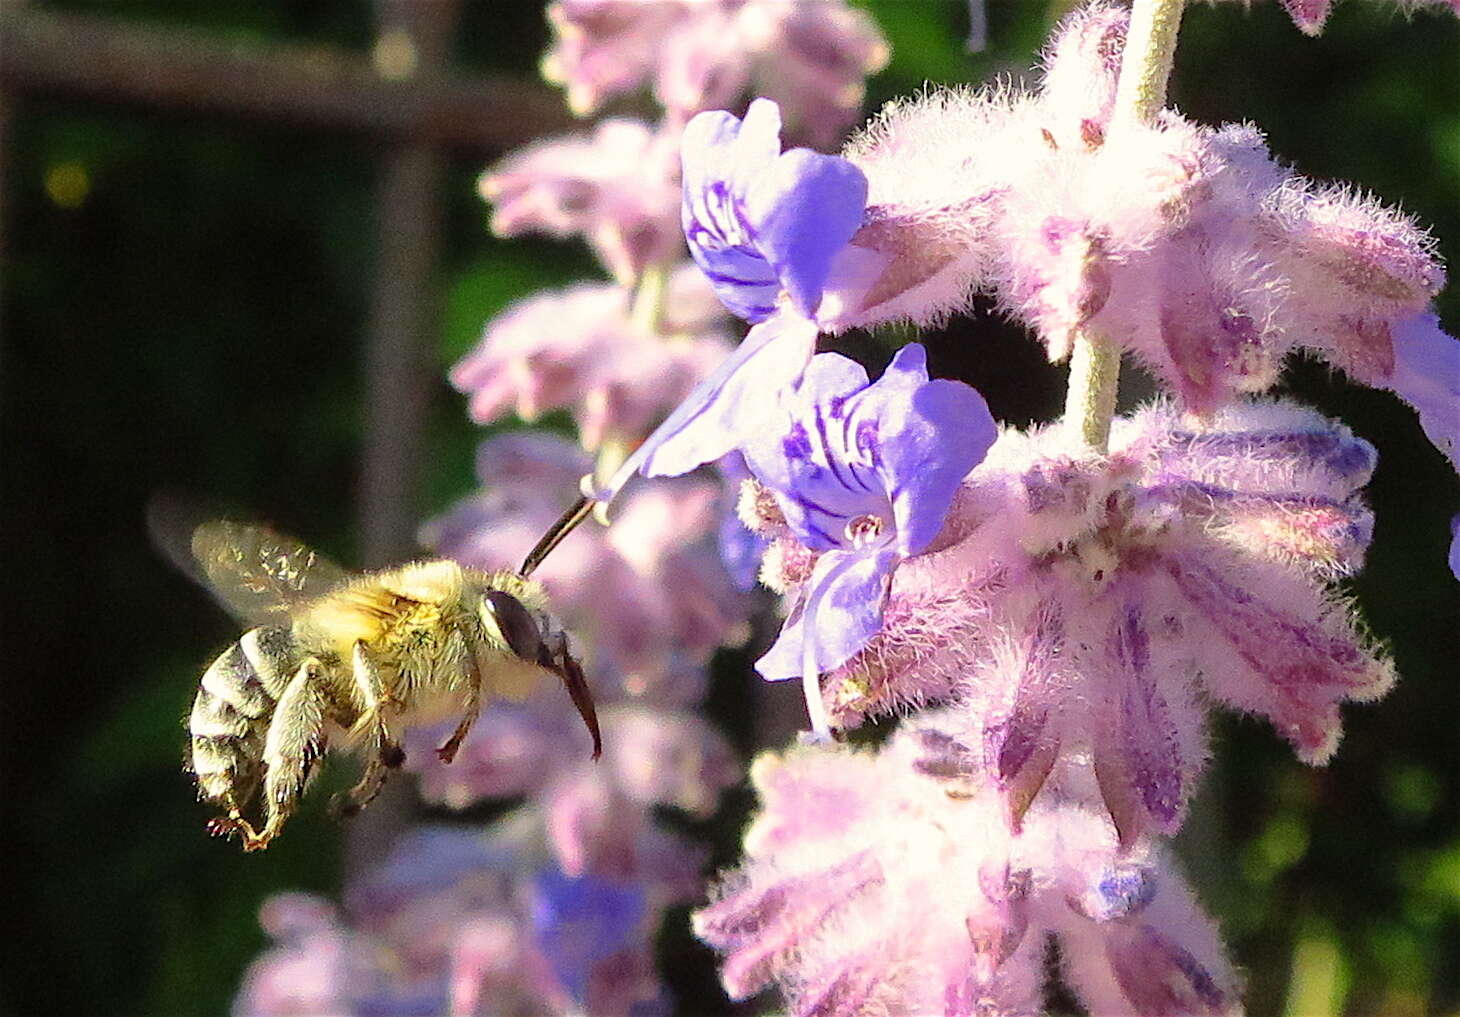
[(847, 589)]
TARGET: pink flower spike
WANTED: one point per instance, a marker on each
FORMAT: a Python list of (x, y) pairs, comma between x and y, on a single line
[(1308, 15), (1191, 246), (579, 349), (618, 188), (861, 916), (605, 47), (1192, 556), (702, 54)]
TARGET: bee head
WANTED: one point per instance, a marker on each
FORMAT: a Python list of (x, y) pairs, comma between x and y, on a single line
[(506, 614), (550, 651)]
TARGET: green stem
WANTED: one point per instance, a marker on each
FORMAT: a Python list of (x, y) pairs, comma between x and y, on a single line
[(1150, 48)]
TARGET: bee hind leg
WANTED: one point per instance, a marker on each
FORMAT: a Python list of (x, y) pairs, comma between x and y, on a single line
[(294, 743), (227, 826)]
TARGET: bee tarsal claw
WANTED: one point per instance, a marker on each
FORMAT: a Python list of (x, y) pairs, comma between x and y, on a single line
[(256, 841), (446, 753)]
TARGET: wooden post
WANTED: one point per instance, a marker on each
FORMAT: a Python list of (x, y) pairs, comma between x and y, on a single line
[(413, 40)]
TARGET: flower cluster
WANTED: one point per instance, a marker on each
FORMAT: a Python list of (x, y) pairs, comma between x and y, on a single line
[(1075, 603), (615, 186), (580, 349), (1071, 606), (461, 923), (1190, 246), (963, 909), (704, 54), (862, 475)]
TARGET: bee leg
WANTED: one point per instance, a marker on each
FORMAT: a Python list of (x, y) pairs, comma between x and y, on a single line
[(377, 769), (227, 826), (447, 752), (386, 754), (294, 743), (376, 698)]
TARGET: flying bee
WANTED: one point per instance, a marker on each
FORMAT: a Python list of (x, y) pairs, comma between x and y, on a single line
[(353, 658)]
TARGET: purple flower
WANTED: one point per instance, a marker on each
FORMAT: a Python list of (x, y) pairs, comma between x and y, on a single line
[(864, 474), (713, 419), (759, 221), (585, 924), (1084, 605), (1426, 375)]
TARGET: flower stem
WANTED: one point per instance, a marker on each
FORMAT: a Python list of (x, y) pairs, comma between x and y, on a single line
[(1150, 48), (647, 311), (1094, 378)]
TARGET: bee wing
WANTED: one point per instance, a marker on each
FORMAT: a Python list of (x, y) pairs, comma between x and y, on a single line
[(256, 573)]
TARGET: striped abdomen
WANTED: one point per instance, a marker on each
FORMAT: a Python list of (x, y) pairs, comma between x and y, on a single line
[(232, 711)]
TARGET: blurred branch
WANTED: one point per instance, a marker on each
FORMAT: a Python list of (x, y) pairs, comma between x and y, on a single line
[(49, 52)]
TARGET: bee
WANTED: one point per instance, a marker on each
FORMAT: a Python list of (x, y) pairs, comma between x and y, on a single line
[(355, 658)]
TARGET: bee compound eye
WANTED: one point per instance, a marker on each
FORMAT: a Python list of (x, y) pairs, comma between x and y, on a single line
[(515, 623)]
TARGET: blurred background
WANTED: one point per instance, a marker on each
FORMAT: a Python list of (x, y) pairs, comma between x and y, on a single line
[(241, 245)]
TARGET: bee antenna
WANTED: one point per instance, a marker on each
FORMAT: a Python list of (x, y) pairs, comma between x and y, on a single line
[(565, 525)]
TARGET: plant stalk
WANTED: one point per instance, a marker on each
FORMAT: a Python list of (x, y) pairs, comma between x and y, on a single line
[(1150, 49), (647, 309)]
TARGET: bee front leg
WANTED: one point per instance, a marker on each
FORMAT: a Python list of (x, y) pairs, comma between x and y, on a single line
[(385, 753), (294, 743), (473, 674)]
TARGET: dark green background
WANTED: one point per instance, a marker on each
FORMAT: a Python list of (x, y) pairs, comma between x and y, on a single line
[(196, 323)]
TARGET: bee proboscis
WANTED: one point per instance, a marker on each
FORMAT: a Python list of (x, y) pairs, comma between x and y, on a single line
[(334, 656)]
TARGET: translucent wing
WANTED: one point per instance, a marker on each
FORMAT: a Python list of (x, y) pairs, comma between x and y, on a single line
[(255, 572)]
